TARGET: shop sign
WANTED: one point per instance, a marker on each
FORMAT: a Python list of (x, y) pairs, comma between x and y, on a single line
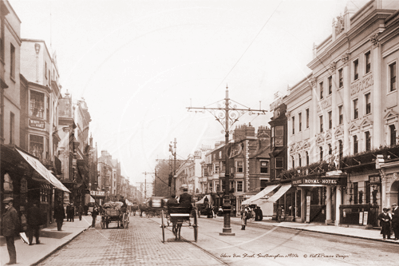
[(375, 179), (97, 193), (37, 124), (315, 181)]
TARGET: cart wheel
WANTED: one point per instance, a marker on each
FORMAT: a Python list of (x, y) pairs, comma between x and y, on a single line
[(163, 228)]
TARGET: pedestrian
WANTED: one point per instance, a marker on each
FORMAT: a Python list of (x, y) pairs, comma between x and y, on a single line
[(72, 212), (395, 220), (385, 222), (68, 212), (94, 215), (59, 215), (244, 218), (10, 226), (258, 213), (80, 212), (35, 220)]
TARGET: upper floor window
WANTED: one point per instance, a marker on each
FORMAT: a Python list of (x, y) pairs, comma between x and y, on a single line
[(12, 127), (299, 160), (368, 140), (239, 186), (330, 120), (307, 158), (329, 85), (392, 131), (45, 69), (340, 115), (48, 109), (293, 125), (355, 69), (321, 90), (368, 62), (321, 123), (264, 167), (392, 76), (240, 168), (355, 145), (300, 121), (293, 161), (12, 61), (368, 103), (307, 118), (36, 104), (321, 153), (355, 109), (329, 149), (341, 78), (279, 162), (216, 169)]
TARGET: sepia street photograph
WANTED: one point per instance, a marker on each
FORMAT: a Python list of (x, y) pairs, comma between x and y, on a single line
[(199, 132)]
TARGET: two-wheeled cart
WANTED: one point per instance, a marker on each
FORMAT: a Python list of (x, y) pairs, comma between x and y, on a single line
[(179, 217)]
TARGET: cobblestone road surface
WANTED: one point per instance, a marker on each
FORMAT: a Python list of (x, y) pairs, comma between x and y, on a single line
[(140, 244)]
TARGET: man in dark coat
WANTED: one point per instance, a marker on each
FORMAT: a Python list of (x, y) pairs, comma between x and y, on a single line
[(68, 212), (172, 202), (71, 213), (395, 220), (34, 218), (185, 199), (258, 214), (94, 215), (80, 212), (385, 222), (10, 224), (59, 216)]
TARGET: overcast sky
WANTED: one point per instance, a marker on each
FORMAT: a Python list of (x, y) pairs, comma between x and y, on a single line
[(139, 64)]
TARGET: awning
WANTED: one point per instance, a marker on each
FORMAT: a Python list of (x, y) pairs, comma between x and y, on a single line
[(42, 170), (261, 194), (279, 193)]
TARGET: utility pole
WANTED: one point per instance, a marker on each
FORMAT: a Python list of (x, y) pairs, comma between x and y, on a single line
[(173, 151), (145, 183), (227, 116)]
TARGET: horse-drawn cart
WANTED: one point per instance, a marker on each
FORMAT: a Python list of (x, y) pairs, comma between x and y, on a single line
[(179, 217), (112, 212)]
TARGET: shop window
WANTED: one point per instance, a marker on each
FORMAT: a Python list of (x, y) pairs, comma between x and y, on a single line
[(36, 146), (367, 197), (392, 131), (368, 62), (355, 193), (36, 105), (240, 168), (239, 186), (314, 196), (264, 167), (45, 193)]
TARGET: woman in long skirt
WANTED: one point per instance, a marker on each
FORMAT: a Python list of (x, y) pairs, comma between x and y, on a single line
[(385, 222)]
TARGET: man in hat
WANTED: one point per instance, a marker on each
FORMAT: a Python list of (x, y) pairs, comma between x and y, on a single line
[(385, 222), (10, 225), (395, 220), (34, 216), (185, 198)]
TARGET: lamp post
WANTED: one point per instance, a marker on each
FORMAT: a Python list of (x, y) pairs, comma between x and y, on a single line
[(173, 152), (227, 116)]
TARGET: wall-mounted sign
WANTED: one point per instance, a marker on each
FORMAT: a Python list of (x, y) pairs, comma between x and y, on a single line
[(375, 179), (37, 124), (97, 193), (318, 182)]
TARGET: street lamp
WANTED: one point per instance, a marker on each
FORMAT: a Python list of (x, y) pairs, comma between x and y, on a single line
[(227, 116)]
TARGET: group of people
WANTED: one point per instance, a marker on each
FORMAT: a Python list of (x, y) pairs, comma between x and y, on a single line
[(250, 212), (389, 221)]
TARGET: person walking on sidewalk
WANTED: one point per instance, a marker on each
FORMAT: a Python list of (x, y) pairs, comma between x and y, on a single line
[(395, 220), (10, 226), (244, 217), (34, 217), (94, 215), (385, 222), (72, 213), (59, 215), (80, 211)]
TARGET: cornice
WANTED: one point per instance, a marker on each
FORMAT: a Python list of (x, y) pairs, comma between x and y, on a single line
[(36, 85), (13, 33)]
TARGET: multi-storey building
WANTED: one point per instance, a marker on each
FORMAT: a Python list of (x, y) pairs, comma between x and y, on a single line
[(342, 122)]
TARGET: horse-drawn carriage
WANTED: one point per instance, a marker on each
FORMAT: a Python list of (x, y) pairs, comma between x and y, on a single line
[(179, 217), (112, 212), (153, 207)]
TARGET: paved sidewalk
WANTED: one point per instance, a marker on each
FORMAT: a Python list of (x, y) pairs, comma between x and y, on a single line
[(371, 234), (50, 240)]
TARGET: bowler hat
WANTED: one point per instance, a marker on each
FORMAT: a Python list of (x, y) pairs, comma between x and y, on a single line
[(8, 199)]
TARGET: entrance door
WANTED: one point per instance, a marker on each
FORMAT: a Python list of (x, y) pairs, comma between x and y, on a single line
[(394, 195)]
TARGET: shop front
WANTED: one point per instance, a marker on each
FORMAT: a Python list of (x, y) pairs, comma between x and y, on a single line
[(318, 197)]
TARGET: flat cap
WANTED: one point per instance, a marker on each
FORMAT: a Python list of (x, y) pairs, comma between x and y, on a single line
[(7, 200)]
